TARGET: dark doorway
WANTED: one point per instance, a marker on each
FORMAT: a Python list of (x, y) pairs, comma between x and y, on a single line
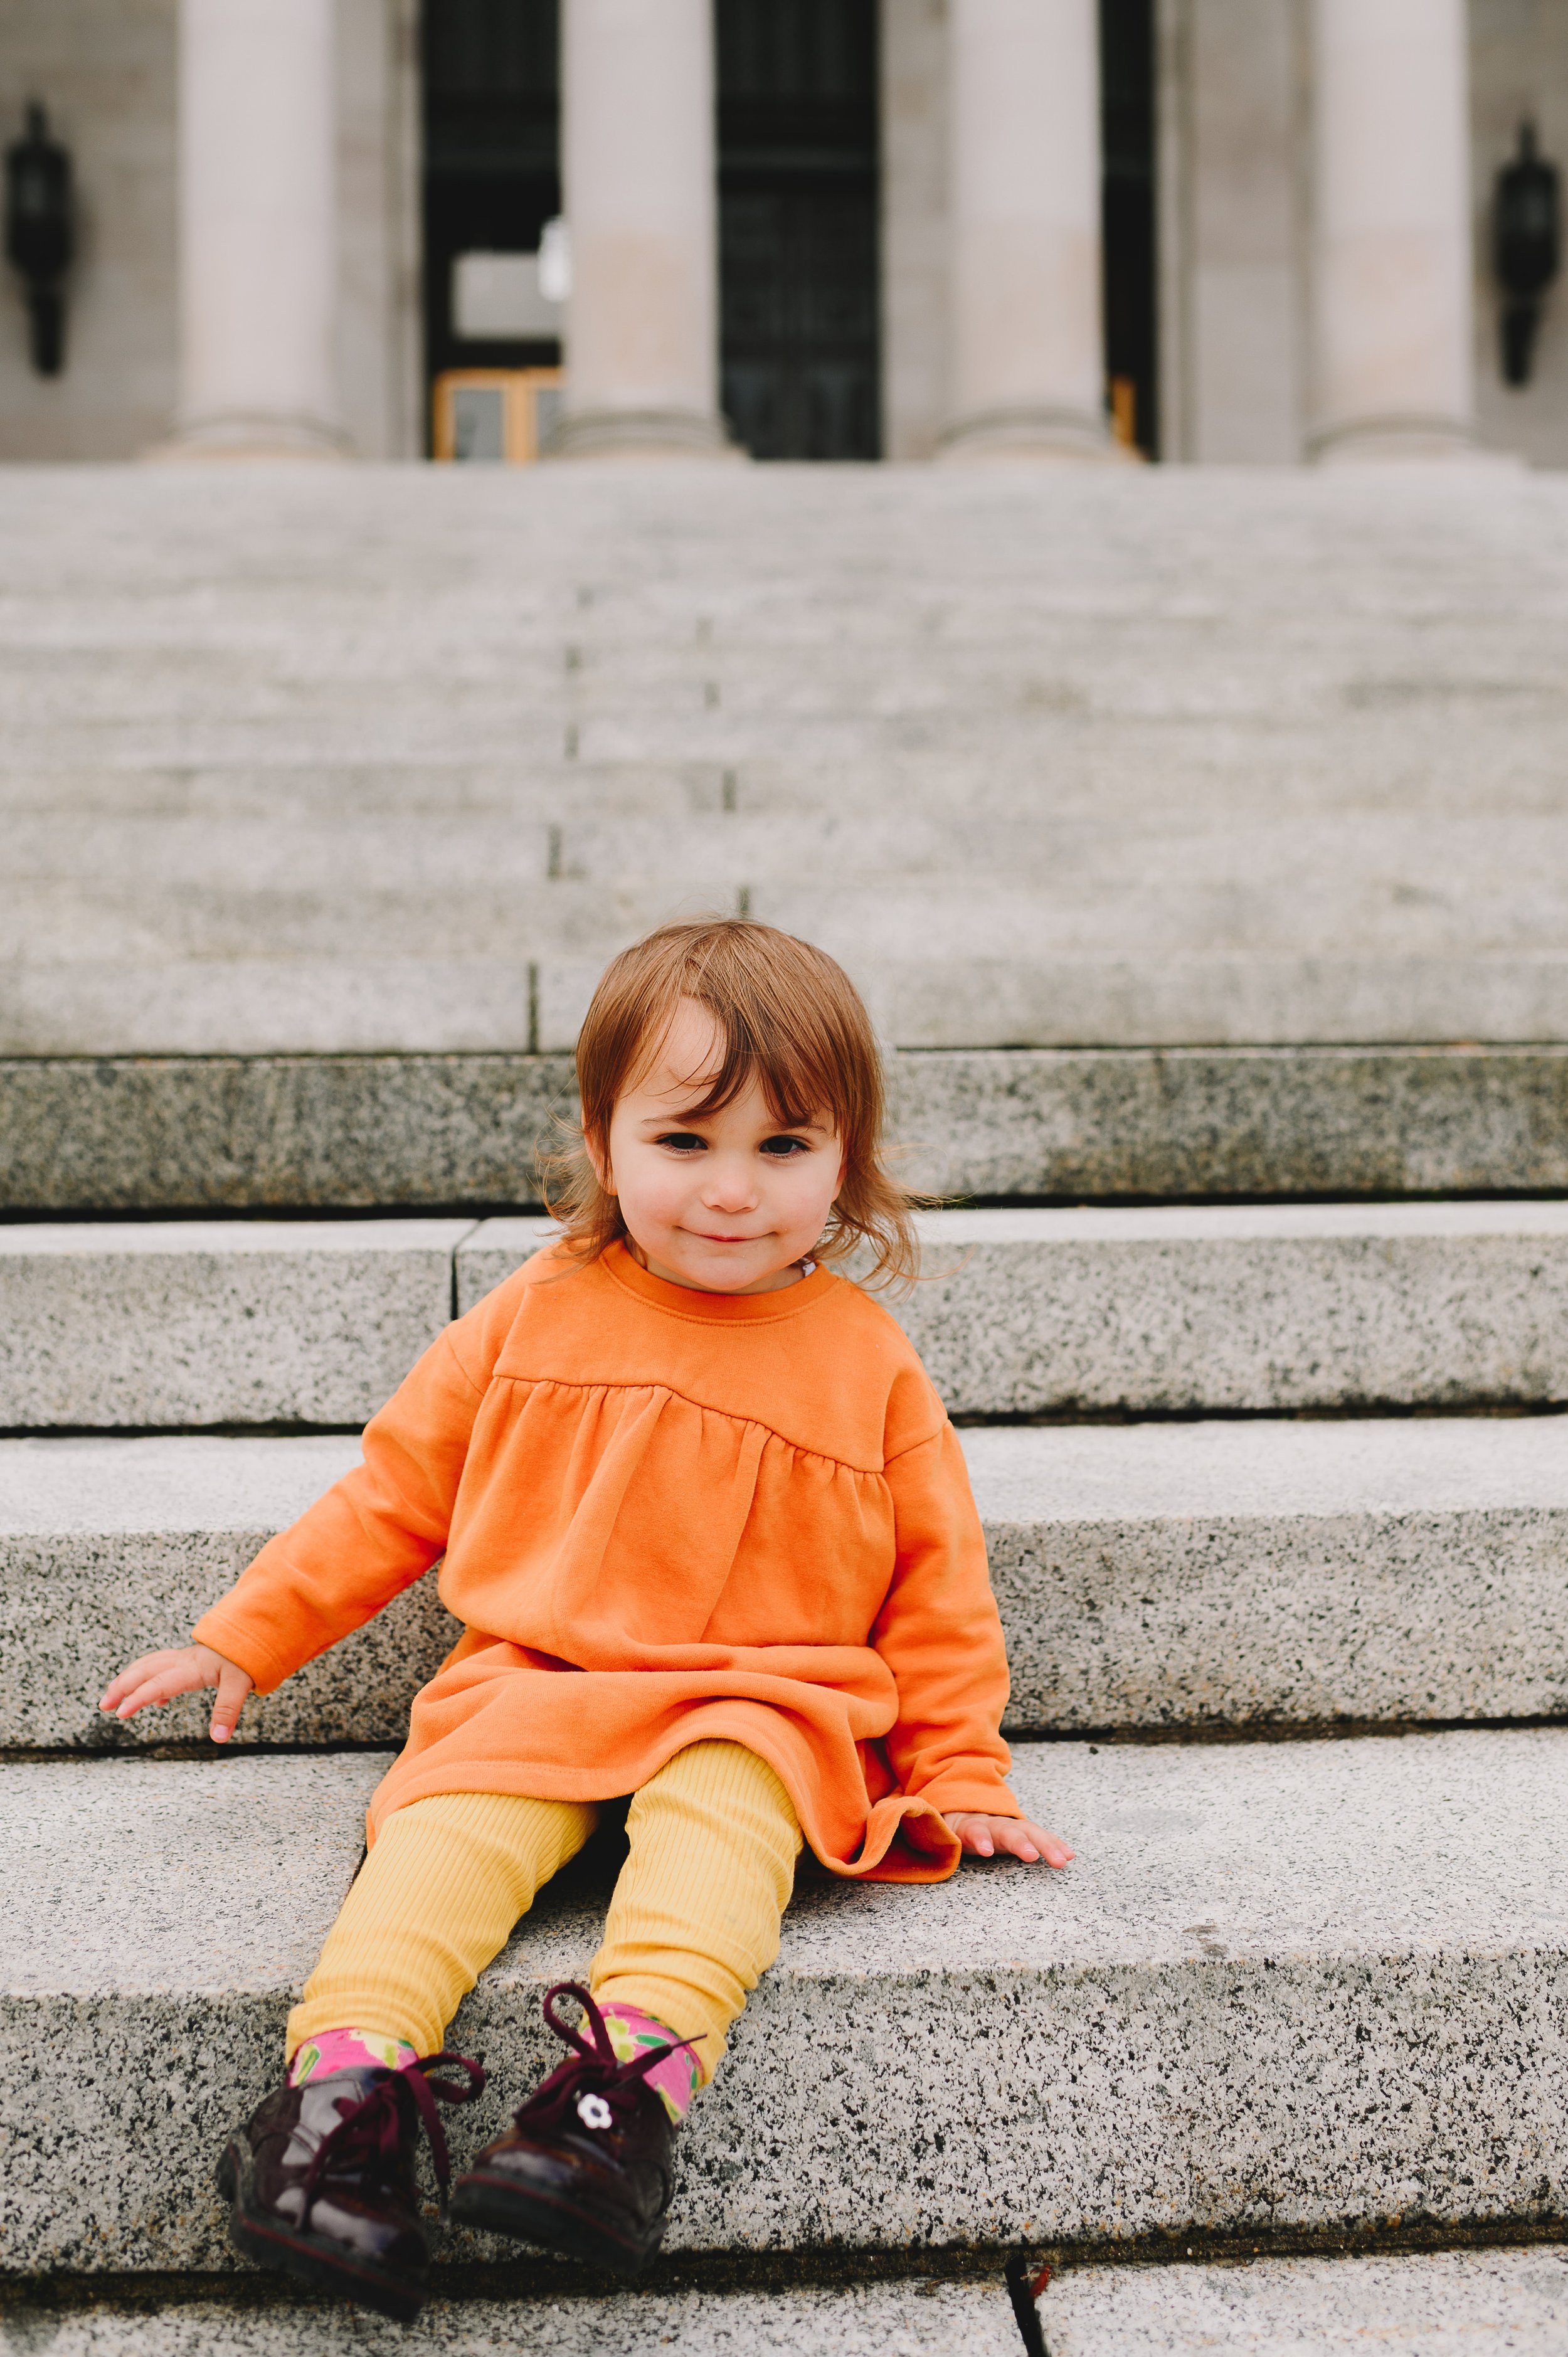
[(491, 157), (798, 210), (1132, 295)]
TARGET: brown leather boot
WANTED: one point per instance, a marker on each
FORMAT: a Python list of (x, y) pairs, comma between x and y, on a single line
[(588, 2164), (321, 2180)]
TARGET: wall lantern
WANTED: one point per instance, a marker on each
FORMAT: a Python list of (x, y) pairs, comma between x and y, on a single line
[(1527, 249), (41, 233)]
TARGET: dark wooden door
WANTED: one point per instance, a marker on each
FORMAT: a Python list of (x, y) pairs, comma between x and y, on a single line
[(1127, 132), (798, 212), (491, 155)]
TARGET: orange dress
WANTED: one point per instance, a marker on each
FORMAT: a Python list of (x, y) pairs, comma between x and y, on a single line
[(668, 1516)]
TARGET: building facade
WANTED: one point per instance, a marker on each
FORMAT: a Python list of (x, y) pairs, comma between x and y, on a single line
[(1231, 231)]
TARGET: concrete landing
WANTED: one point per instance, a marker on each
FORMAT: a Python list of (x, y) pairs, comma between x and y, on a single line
[(1290, 1986)]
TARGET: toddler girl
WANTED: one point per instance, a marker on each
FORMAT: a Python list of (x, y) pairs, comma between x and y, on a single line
[(709, 1536)]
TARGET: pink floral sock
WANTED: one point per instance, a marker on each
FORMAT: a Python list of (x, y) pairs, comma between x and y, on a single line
[(347, 2049), (674, 2080)]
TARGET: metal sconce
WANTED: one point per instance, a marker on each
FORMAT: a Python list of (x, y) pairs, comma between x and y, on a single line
[(1527, 249), (41, 233)]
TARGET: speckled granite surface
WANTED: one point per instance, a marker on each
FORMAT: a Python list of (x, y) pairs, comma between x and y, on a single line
[(917, 2318), (1026, 1313), (1256, 1307), (1307, 1984), (1147, 1574), (204, 1322), (112, 1546), (1429, 2304), (215, 1133), (1180, 1574)]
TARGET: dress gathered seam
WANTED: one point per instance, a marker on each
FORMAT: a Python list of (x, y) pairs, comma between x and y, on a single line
[(727, 1415)]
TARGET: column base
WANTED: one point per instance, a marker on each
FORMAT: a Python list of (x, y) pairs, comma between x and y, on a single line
[(1032, 433), (640, 434), (241, 435), (1399, 440)]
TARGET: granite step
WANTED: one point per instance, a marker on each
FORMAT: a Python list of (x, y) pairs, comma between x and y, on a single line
[(302, 1133), (1184, 1575), (1292, 1988), (1023, 1314), (1316, 678), (1487, 2303), (1245, 1309), (913, 2317), (412, 987), (215, 1322), (1462, 2303)]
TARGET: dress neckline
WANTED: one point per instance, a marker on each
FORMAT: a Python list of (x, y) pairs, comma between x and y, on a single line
[(716, 1309)]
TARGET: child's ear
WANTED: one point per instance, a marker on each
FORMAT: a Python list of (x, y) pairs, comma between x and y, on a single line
[(594, 1149)]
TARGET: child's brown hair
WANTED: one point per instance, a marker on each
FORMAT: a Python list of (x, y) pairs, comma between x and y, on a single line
[(789, 1015)]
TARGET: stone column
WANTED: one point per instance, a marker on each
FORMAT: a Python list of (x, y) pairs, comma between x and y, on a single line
[(1027, 335), (639, 186), (1392, 365), (258, 230)]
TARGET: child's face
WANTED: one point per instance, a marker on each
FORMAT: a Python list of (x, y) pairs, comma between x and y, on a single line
[(727, 1203)]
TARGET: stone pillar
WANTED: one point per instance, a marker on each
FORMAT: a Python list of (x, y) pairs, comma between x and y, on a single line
[(638, 173), (1392, 363), (1027, 335), (258, 230)]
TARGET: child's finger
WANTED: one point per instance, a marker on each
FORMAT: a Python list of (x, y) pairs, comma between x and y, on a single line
[(1032, 1843), (233, 1686), (161, 1687), (149, 1695), (134, 1675), (1050, 1847)]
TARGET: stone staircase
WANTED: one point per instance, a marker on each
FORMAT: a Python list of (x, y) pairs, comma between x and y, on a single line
[(1256, 1343)]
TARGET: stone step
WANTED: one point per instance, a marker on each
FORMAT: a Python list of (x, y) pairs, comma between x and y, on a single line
[(936, 710), (299, 793), (308, 1132), (216, 1322), (909, 2317), (425, 994), (1286, 1988), (1462, 2303), (1254, 1309), (1148, 1576), (1467, 2303), (1023, 1314)]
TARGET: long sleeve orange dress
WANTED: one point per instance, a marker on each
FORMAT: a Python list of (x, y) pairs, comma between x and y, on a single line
[(668, 1516)]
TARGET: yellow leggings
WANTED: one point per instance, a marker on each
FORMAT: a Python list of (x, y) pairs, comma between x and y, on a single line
[(692, 1927)]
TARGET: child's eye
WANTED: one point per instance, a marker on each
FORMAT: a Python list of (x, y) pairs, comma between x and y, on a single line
[(682, 1141), (785, 1148)]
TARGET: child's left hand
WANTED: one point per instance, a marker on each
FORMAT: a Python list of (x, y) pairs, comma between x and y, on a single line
[(1013, 1836)]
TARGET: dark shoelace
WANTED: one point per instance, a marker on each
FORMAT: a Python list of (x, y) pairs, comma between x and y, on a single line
[(590, 2068), (374, 2126)]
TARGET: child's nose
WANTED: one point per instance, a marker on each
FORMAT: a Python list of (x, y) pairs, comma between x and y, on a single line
[(730, 1187)]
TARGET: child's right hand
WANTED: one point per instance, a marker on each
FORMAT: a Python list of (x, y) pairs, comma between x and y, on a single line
[(158, 1677)]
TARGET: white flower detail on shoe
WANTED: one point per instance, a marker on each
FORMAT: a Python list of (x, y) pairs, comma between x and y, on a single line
[(594, 2112)]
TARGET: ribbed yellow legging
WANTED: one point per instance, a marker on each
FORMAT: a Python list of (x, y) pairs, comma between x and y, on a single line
[(693, 1925)]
